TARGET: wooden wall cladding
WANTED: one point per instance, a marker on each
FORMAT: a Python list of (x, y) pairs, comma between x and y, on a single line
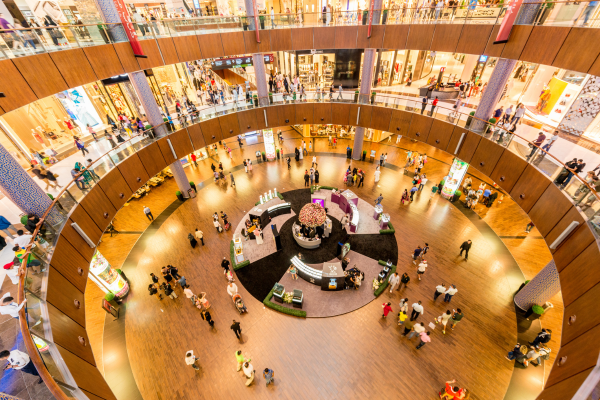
[(544, 43), (571, 215), (247, 121), (87, 376), (364, 118), (99, 207), (211, 130), (167, 50), (565, 389), (508, 170), (573, 245), (581, 354), (233, 43), (446, 36), (17, 91), (400, 122), (376, 39), (41, 74), (473, 39), (181, 143), (580, 315), (579, 50), (152, 159), (287, 114), (272, 117), (252, 46), (468, 146), (64, 61), (86, 223), (196, 136), (491, 49), (63, 295), (134, 172), (485, 157), (302, 38), (518, 38), (230, 126), (346, 37), (579, 277), (281, 39), (304, 114), (419, 127), (529, 188), (70, 263), (549, 209), (395, 36), (116, 188), (126, 56), (75, 239), (380, 118), (66, 333), (323, 38), (439, 134), (104, 60), (150, 49), (340, 113), (420, 36), (188, 49), (211, 45)]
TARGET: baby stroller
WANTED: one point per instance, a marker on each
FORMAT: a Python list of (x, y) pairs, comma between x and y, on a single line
[(239, 303), (229, 276)]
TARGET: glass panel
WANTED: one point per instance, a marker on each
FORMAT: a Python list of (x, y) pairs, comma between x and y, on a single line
[(37, 313), (51, 357)]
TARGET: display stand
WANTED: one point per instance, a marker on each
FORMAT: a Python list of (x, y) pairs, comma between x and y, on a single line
[(378, 210), (238, 248), (333, 276), (383, 223), (346, 198), (335, 197)]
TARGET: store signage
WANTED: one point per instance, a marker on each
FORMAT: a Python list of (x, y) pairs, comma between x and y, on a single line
[(442, 69), (316, 52), (371, 18), (269, 58), (129, 29), (226, 63), (508, 21)]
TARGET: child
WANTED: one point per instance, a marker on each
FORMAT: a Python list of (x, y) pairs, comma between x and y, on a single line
[(401, 317)]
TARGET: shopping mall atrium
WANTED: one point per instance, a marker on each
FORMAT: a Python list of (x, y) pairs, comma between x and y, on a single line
[(253, 199)]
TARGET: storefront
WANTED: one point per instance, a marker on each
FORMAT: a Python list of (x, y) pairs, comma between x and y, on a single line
[(329, 67), (106, 277)]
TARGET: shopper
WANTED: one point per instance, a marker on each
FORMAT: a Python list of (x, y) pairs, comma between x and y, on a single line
[(148, 213), (191, 360), (543, 337), (249, 373), (424, 336), (239, 357), (232, 289), (237, 329), (378, 200), (402, 317), (466, 246), (387, 307), (199, 235), (225, 265), (394, 281), (413, 190), (9, 307), (268, 374), (207, 317), (439, 290), (517, 352), (404, 281), (449, 293), (443, 319), (5, 224), (416, 254), (416, 330), (457, 315), (19, 361), (306, 178), (421, 268), (417, 309)]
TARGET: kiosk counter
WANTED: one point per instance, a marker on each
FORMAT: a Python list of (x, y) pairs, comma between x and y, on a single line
[(308, 273)]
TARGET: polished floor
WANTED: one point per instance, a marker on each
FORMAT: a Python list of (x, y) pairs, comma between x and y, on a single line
[(349, 356)]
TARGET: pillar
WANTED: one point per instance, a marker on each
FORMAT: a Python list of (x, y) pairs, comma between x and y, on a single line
[(584, 109), (470, 63), (366, 82), (540, 289), (250, 14), (262, 88)]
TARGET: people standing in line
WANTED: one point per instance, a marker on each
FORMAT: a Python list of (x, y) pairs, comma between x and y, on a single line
[(387, 308), (148, 213), (404, 281), (417, 309), (19, 361), (191, 360), (449, 293), (248, 372), (465, 246), (207, 317), (394, 281), (268, 374), (424, 336), (237, 329), (457, 315), (439, 290), (421, 268)]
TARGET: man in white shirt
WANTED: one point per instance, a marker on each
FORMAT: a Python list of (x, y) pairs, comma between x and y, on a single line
[(340, 93), (421, 268), (9, 307), (190, 359), (394, 281), (148, 213), (519, 112), (249, 372), (439, 289), (188, 293), (232, 289), (20, 361), (449, 293), (22, 240), (550, 141), (417, 329), (416, 311)]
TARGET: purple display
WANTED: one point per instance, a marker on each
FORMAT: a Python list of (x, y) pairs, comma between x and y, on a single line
[(320, 202)]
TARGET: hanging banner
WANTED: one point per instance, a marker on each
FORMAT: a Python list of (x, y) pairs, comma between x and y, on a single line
[(256, 23), (129, 29), (508, 21), (371, 18)]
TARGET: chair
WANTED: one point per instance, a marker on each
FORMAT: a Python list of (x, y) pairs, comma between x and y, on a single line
[(297, 299)]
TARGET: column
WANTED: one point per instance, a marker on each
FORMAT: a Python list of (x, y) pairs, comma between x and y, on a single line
[(584, 109), (260, 73), (502, 72), (151, 109), (250, 14), (540, 289), (470, 63), (366, 82)]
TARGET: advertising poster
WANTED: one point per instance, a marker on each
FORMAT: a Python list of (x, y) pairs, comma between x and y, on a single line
[(454, 178)]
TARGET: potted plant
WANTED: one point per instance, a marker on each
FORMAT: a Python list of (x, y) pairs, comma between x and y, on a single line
[(264, 156), (364, 155), (492, 121), (270, 97), (193, 185), (534, 312), (373, 97), (179, 195), (457, 195), (356, 96), (255, 97), (469, 119)]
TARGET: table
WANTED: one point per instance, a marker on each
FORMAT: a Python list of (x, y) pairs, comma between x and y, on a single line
[(333, 276), (378, 210), (346, 198)]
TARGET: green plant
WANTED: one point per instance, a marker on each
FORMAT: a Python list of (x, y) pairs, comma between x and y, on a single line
[(291, 311), (384, 284), (277, 150), (364, 152), (389, 231), (472, 113), (280, 195), (287, 297), (329, 188), (458, 193), (192, 183), (539, 310), (236, 266), (109, 296), (119, 271), (178, 193), (492, 120)]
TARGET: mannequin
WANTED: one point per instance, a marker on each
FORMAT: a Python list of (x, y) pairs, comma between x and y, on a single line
[(36, 136)]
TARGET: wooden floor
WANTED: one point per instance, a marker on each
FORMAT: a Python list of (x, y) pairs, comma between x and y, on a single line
[(358, 355)]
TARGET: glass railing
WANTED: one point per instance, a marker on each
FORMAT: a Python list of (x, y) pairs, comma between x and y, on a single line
[(34, 280), (23, 42)]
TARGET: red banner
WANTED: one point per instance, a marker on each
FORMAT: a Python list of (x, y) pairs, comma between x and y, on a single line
[(370, 18), (508, 21), (256, 25), (129, 29)]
